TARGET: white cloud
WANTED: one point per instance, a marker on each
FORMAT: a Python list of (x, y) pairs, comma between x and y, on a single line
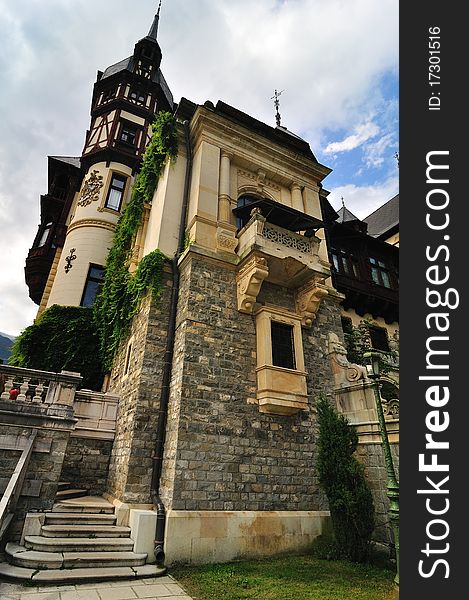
[(362, 134), (375, 152), (326, 54), (363, 200)]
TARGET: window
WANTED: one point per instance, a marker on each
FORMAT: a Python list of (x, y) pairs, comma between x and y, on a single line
[(283, 349), (128, 134), (137, 96), (116, 192), (93, 282), (44, 235), (344, 262), (379, 339), (108, 95), (380, 273), (244, 201)]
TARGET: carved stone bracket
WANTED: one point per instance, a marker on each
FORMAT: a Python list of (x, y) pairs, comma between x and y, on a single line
[(308, 298), (249, 281), (226, 240)]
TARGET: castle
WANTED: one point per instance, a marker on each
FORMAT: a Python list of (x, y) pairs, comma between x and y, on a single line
[(213, 390)]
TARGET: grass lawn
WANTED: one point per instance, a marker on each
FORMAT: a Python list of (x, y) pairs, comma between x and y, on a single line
[(287, 578)]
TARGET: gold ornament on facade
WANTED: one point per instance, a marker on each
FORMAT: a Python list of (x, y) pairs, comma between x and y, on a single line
[(91, 189)]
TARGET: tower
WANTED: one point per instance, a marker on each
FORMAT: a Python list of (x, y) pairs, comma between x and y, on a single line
[(86, 195)]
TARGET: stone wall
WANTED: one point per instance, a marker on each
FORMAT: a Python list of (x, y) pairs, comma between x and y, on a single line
[(86, 464), (139, 391), (221, 452), (372, 457), (46, 461)]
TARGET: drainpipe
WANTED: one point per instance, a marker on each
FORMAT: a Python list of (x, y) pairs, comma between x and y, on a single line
[(167, 368)]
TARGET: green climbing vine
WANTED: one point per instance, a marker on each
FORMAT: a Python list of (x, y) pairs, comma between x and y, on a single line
[(121, 291)]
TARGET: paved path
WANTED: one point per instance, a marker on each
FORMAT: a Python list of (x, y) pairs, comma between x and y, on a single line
[(157, 588)]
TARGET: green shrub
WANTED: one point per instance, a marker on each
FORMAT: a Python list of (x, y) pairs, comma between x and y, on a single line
[(342, 478), (63, 338)]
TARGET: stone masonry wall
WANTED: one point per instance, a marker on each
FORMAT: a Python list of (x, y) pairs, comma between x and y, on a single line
[(44, 467), (86, 464), (139, 391), (221, 452), (372, 457)]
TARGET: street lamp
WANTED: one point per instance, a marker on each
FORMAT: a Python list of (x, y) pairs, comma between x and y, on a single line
[(373, 369)]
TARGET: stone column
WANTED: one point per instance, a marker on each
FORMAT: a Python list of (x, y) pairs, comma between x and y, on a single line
[(224, 200), (226, 231), (296, 197)]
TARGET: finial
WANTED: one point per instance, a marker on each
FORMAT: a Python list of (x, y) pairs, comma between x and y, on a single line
[(153, 33), (276, 100), (396, 156), (343, 201)]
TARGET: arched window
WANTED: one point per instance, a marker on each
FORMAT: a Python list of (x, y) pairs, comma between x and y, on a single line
[(244, 200)]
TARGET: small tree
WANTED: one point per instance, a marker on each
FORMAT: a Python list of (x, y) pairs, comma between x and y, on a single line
[(342, 478)]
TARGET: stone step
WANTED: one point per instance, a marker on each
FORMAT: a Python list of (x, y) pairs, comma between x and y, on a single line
[(70, 493), (67, 544), (78, 575), (20, 556), (84, 531), (64, 518), (64, 485), (86, 504)]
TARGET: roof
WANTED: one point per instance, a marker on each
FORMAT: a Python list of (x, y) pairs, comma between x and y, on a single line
[(280, 135), (280, 214), (119, 66), (345, 215), (69, 160), (383, 218), (127, 65)]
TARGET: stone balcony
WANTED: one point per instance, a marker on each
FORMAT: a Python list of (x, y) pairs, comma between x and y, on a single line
[(292, 258)]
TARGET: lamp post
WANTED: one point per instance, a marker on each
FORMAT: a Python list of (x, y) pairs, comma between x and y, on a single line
[(373, 370)]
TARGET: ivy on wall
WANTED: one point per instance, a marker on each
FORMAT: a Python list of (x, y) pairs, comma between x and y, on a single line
[(121, 291), (63, 338), (86, 340)]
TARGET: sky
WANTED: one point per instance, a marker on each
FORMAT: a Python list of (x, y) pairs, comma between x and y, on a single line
[(335, 60)]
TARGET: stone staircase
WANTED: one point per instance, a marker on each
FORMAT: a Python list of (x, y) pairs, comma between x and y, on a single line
[(79, 541)]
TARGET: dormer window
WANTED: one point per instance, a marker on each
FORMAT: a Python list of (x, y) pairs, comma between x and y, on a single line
[(137, 96)]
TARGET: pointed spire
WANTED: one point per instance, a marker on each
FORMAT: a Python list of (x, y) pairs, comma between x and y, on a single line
[(153, 33)]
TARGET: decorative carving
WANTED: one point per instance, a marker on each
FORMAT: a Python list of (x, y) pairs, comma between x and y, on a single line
[(287, 238), (249, 281), (344, 372), (91, 189), (390, 408), (308, 298), (226, 240), (260, 179), (68, 260)]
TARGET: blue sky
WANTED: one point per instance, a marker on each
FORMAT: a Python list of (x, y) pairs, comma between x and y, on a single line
[(337, 61)]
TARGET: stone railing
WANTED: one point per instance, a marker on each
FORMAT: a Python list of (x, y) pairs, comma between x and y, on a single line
[(288, 238), (96, 413), (38, 387)]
